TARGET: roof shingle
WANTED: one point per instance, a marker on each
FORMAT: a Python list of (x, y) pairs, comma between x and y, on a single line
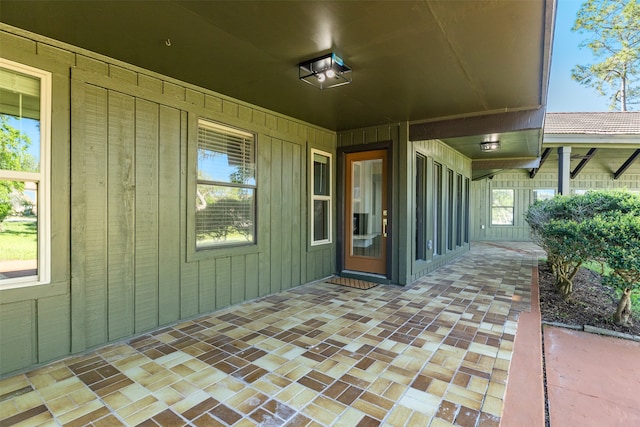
[(605, 123)]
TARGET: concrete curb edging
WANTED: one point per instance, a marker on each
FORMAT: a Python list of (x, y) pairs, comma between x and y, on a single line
[(594, 330)]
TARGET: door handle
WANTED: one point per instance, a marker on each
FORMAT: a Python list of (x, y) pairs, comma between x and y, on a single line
[(384, 227)]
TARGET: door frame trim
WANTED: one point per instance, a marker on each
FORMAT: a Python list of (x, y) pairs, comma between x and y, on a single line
[(340, 201)]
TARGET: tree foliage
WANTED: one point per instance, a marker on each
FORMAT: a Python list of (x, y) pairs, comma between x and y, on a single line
[(613, 29)]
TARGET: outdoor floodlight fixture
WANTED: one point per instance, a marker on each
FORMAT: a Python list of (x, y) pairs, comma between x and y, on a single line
[(489, 146), (325, 71)]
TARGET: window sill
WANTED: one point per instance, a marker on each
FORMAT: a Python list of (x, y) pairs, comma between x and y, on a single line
[(221, 252), (319, 246), (31, 291)]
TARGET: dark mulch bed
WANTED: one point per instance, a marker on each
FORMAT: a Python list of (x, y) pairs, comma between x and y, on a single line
[(590, 303)]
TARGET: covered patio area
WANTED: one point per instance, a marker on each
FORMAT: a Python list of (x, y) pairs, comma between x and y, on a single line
[(435, 353)]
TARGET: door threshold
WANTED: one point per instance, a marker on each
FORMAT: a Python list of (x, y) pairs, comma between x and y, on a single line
[(370, 277)]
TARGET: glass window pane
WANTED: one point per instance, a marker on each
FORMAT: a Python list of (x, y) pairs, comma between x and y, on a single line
[(320, 220), (450, 207), (421, 245), (321, 177), (459, 210), (18, 229), (367, 208), (24, 195), (437, 207), (19, 94), (19, 143), (501, 216), (19, 121), (502, 202), (224, 215), (502, 197), (545, 194), (226, 157), (466, 210)]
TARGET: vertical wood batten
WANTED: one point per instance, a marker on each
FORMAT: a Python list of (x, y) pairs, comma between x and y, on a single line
[(275, 226), (146, 216), (238, 280), (169, 215), (189, 280), (264, 214), (223, 282), (299, 230), (18, 332), (78, 219), (287, 208), (207, 300), (88, 212), (54, 323), (252, 276), (121, 215)]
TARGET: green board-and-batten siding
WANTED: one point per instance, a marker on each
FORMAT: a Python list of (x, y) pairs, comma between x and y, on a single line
[(123, 167)]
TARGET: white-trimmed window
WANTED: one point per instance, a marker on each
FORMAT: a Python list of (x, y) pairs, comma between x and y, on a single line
[(25, 129), (321, 197), (226, 187), (502, 206), (543, 194)]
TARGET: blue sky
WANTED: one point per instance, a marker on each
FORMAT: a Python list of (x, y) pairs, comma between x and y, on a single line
[(566, 95)]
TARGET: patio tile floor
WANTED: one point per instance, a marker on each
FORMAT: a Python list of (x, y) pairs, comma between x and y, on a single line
[(435, 353)]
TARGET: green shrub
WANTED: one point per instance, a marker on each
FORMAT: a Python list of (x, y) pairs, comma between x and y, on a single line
[(565, 227)]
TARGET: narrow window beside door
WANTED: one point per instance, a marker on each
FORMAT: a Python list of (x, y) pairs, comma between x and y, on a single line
[(321, 197), (421, 207)]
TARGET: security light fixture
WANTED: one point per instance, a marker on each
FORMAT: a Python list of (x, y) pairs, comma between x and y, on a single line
[(325, 71), (490, 146)]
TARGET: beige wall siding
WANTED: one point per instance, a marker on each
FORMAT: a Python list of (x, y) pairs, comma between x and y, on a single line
[(596, 175), (123, 170)]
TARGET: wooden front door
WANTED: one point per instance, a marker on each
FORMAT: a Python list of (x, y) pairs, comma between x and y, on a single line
[(366, 212)]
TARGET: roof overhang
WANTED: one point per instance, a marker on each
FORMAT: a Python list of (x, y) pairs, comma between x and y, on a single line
[(423, 61), (519, 134)]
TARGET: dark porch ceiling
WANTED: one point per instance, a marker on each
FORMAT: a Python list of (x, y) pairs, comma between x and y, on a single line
[(412, 60)]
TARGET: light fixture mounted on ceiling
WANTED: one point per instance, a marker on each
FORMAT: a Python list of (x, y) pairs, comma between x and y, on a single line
[(490, 146), (325, 71)]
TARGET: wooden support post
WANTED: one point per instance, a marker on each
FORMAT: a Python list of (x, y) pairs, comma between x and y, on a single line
[(564, 169)]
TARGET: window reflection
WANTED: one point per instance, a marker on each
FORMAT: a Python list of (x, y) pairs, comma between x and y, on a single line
[(18, 229)]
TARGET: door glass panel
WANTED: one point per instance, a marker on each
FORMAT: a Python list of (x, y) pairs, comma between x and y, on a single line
[(366, 205)]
